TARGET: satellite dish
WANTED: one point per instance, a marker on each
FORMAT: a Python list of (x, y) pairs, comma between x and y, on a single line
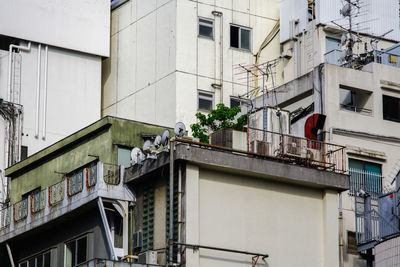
[(136, 156), (157, 142), (180, 129), (146, 147), (165, 138)]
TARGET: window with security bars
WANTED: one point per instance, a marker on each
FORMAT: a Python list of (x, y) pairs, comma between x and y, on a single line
[(148, 219), (41, 260), (175, 214), (366, 176)]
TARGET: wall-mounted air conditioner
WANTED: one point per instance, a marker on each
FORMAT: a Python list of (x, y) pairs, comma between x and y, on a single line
[(148, 257)]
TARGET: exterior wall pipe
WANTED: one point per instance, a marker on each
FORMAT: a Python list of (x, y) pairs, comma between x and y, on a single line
[(221, 47), (179, 212), (10, 255), (45, 93), (10, 64), (171, 200), (106, 228), (341, 256), (38, 92)]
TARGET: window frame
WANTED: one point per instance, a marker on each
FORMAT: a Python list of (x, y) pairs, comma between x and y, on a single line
[(75, 240), (240, 37), (201, 95), (356, 95), (234, 99), (42, 254), (364, 174), (385, 116), (199, 23)]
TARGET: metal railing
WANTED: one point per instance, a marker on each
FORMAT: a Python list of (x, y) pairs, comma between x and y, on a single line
[(369, 182), (365, 111), (75, 183), (307, 152), (112, 174), (333, 57), (56, 193), (5, 217)]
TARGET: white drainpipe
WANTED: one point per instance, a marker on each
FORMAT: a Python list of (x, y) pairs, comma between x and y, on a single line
[(45, 93), (10, 63), (38, 92)]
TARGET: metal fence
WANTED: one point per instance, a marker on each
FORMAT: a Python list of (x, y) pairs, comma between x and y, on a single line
[(311, 153), (369, 182), (5, 217), (56, 193), (112, 174), (38, 201), (20, 210), (75, 183)]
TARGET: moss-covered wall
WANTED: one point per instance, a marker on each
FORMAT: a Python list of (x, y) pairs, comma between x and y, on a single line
[(101, 139)]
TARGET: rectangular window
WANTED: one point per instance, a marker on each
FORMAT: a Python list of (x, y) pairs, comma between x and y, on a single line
[(205, 101), (235, 102), (240, 37), (366, 176), (206, 27), (124, 156), (76, 251), (333, 53), (391, 108), (24, 152), (355, 100), (41, 260)]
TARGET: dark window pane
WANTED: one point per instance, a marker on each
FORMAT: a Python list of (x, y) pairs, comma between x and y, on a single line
[(70, 254), (205, 104), (234, 36), (31, 262), (245, 39), (206, 31), (39, 261), (81, 252), (46, 259), (391, 108), (235, 102), (25, 264), (24, 152)]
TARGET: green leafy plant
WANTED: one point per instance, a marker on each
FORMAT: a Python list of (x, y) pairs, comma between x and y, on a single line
[(222, 117)]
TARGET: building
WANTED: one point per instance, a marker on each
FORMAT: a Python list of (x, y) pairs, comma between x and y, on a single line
[(170, 59), (229, 207), (56, 195), (50, 72)]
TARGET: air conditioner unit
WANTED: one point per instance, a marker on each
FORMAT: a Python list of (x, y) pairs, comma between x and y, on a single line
[(148, 257), (137, 239), (296, 147), (262, 148)]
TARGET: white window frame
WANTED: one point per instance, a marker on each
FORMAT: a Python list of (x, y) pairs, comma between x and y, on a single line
[(240, 37), (199, 23), (202, 95), (75, 240), (26, 260)]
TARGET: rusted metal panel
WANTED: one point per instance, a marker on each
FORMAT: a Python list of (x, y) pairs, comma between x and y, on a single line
[(56, 193), (38, 201), (75, 183), (91, 175), (20, 210), (112, 174)]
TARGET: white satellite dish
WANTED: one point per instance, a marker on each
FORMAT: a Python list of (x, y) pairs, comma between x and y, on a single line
[(146, 147), (157, 142), (136, 156), (165, 138), (180, 129)]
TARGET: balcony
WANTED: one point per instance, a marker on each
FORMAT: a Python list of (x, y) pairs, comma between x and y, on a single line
[(111, 263), (82, 186)]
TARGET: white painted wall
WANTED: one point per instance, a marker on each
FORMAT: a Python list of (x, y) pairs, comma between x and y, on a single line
[(77, 25), (73, 94), (296, 226), (158, 62)]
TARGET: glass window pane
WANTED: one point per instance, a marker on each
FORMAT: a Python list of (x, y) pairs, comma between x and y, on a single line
[(206, 31), (24, 264), (81, 251), (245, 39), (31, 262), (39, 261), (235, 102), (70, 254), (46, 259), (205, 104), (234, 36), (124, 156)]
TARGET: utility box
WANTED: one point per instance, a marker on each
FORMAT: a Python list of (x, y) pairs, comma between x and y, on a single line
[(148, 257), (230, 138)]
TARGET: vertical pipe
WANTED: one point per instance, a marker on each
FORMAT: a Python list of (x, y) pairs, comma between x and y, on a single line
[(171, 200), (9, 91), (38, 92), (222, 58), (45, 93), (10, 255), (341, 256), (179, 212)]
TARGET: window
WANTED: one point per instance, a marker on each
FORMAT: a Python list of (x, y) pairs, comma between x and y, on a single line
[(235, 102), (391, 108), (366, 176), (355, 100), (205, 100), (75, 251), (333, 53), (24, 152), (240, 37), (206, 27), (124, 156), (41, 260), (351, 243)]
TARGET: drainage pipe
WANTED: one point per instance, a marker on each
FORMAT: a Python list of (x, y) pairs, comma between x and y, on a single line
[(171, 200), (10, 64), (106, 228), (341, 256), (38, 92), (179, 212), (10, 255), (45, 93)]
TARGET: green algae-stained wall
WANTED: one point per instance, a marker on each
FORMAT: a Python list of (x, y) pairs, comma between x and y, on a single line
[(100, 139)]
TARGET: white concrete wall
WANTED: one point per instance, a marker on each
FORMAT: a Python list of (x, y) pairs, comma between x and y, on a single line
[(158, 62), (73, 94), (296, 226), (78, 25)]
